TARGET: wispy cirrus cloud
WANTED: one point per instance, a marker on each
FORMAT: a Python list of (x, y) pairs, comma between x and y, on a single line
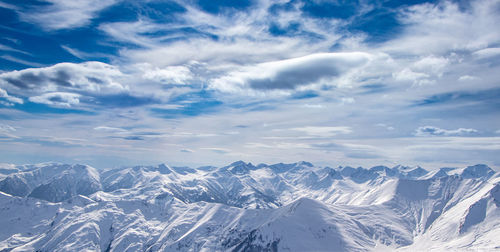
[(443, 27), (10, 49), (6, 128), (60, 14)]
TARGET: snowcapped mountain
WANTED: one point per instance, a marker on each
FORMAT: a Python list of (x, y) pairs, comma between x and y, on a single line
[(243, 207)]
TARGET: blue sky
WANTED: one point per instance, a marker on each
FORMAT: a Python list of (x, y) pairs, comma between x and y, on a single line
[(115, 82)]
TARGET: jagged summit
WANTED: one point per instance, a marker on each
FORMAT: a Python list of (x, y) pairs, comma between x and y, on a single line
[(164, 169), (240, 167), (477, 171)]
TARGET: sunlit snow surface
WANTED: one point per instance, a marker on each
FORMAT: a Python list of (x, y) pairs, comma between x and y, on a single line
[(242, 207)]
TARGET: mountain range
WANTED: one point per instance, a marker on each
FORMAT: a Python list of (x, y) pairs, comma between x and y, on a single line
[(246, 207)]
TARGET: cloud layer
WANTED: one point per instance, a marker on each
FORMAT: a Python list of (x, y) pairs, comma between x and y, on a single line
[(338, 83)]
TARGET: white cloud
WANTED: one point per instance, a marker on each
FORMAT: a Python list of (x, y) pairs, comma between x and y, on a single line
[(383, 125), (10, 99), (217, 150), (6, 132), (487, 52), (94, 77), (435, 131), (5, 128), (424, 71), (8, 6), (347, 100), (84, 55), (278, 145), (431, 64), (97, 81), (324, 131), (223, 54), (57, 98), (242, 39), (132, 32), (409, 75), (110, 129), (291, 73), (312, 106), (167, 75), (441, 28), (62, 14), (10, 49), (21, 61), (467, 78), (457, 143)]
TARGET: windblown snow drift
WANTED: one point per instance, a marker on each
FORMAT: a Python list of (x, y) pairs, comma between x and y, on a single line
[(242, 207)]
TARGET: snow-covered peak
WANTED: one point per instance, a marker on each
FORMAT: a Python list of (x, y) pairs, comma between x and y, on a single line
[(240, 168), (238, 163), (305, 163), (164, 169), (62, 179), (75, 180), (441, 172), (477, 171), (183, 170), (415, 172)]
